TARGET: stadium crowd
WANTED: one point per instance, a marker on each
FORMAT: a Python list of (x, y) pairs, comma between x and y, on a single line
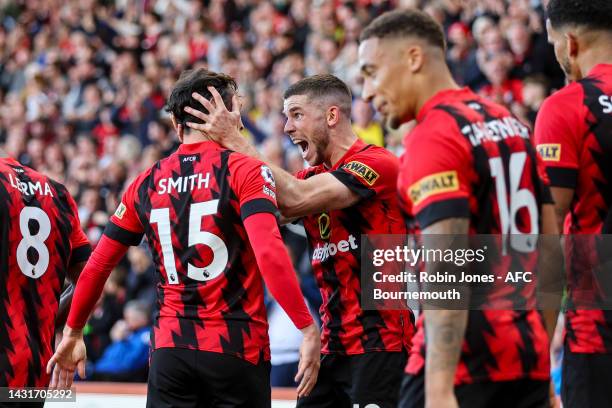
[(83, 85)]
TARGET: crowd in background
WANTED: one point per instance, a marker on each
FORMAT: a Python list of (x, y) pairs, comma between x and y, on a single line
[(83, 85)]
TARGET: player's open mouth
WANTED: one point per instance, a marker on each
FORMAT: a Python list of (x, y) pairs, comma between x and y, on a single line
[(303, 146)]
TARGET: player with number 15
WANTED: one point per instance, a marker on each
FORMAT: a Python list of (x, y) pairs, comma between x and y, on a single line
[(210, 219)]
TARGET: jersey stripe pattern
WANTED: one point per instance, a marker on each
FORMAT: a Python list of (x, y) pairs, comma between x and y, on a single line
[(335, 242), (190, 207), (462, 152), (41, 237), (574, 137)]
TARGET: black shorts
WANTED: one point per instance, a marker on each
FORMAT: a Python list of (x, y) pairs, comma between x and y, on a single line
[(586, 380), (183, 378), (362, 379), (499, 394)]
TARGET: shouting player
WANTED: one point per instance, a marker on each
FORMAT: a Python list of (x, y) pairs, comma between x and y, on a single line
[(468, 167), (573, 134), (348, 191), (210, 218), (42, 244)]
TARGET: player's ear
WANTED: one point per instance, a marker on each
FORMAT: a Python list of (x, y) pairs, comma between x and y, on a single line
[(414, 56), (178, 128), (333, 116), (572, 45)]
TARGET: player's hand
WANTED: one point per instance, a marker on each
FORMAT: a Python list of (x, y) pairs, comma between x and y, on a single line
[(69, 356), (441, 400), (220, 124), (310, 360)]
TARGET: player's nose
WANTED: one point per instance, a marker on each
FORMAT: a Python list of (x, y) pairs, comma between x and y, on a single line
[(367, 93), (289, 128)]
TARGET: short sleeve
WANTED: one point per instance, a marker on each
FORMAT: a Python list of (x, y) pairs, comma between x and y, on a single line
[(435, 179), (81, 249), (125, 226), (254, 185), (557, 136), (369, 172)]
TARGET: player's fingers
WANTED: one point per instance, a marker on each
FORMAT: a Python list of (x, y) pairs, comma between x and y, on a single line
[(61, 382), (205, 102), (311, 374), (236, 104), (54, 377), (202, 127), (69, 378), (198, 114), (300, 372), (302, 387), (51, 364), (81, 369), (217, 97)]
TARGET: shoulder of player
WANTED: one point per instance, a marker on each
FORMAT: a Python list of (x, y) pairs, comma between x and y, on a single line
[(373, 154), (569, 94)]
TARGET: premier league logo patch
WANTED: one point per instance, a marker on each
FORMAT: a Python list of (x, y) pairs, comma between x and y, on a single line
[(267, 175)]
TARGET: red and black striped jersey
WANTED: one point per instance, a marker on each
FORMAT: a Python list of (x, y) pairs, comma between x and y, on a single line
[(190, 206), (41, 238), (335, 239), (573, 135), (470, 158)]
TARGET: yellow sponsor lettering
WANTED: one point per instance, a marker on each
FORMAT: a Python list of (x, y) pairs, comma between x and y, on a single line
[(437, 183), (550, 151), (363, 171)]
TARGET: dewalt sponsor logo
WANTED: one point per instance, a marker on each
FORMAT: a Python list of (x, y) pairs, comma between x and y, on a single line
[(437, 183), (361, 170), (550, 151)]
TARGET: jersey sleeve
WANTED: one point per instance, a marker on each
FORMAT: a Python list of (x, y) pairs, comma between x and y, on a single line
[(557, 136), (370, 172), (81, 249), (125, 226), (436, 177), (253, 183)]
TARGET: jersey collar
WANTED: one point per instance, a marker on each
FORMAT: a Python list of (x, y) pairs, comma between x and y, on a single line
[(600, 69), (190, 148), (446, 95), (355, 147)]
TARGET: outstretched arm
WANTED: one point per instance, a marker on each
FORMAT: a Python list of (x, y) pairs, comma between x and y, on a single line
[(276, 268), (295, 197)]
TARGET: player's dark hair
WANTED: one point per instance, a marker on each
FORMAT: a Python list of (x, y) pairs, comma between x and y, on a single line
[(317, 87), (198, 80), (405, 23), (593, 14)]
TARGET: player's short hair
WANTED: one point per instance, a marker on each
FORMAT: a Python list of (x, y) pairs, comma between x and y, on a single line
[(325, 86), (198, 80), (592, 14), (405, 23)]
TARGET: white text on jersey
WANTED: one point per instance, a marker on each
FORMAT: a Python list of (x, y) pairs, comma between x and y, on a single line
[(31, 188), (183, 183), (495, 130), (331, 249)]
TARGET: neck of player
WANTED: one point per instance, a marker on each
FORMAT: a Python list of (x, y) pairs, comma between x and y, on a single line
[(3, 154), (599, 52), (340, 141), (436, 78), (191, 137)]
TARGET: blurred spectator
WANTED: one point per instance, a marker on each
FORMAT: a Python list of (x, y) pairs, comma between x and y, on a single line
[(126, 358), (364, 125), (501, 88)]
